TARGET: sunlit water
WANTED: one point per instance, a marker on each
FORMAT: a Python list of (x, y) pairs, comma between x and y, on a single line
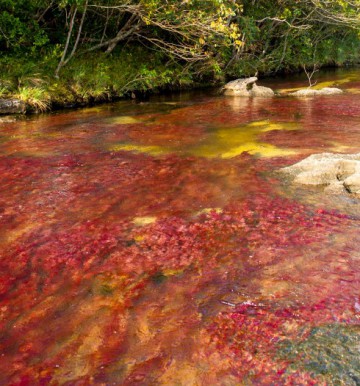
[(156, 243)]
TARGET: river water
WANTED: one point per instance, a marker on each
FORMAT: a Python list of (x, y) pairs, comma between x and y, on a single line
[(155, 243)]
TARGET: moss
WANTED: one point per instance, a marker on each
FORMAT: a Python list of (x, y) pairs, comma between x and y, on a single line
[(331, 351), (158, 278)]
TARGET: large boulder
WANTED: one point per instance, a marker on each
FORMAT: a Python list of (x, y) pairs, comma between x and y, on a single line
[(12, 106), (313, 92), (247, 87), (240, 87), (338, 173), (261, 91)]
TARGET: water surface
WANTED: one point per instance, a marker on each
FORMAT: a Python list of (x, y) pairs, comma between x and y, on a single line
[(155, 243)]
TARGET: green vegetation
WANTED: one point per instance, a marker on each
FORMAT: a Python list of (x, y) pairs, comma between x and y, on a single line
[(81, 51)]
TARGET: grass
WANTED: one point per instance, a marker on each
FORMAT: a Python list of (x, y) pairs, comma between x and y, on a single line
[(3, 92), (36, 98), (89, 79)]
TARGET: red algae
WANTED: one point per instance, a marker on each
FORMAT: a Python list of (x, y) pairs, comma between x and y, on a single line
[(121, 267)]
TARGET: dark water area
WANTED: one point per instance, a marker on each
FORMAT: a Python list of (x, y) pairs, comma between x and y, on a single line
[(155, 243)]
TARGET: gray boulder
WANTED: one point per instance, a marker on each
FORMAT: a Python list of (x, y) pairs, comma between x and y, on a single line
[(247, 87), (338, 173), (312, 92), (240, 87), (12, 106), (261, 91)]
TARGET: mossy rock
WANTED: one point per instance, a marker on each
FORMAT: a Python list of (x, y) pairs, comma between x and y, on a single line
[(331, 351)]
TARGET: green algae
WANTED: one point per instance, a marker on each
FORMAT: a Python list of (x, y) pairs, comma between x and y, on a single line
[(158, 278), (330, 351)]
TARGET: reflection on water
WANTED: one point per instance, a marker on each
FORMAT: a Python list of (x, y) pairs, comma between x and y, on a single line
[(153, 243)]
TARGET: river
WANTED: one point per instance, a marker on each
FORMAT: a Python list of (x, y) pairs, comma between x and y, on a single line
[(156, 243)]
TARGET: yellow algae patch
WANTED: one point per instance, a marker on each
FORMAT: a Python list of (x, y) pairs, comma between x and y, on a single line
[(339, 148), (224, 143), (90, 110), (353, 90), (228, 143), (271, 126), (331, 83), (181, 373), (289, 90), (19, 231), (145, 220), (123, 120), (172, 272), (32, 153), (139, 238), (152, 150), (318, 86), (262, 149), (144, 330), (209, 210)]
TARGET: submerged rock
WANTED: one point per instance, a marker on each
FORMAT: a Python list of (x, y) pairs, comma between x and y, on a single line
[(313, 92), (339, 173), (12, 106), (7, 119)]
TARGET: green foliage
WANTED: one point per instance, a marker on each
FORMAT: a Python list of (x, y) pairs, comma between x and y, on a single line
[(104, 77), (146, 45), (20, 31), (35, 97), (3, 91)]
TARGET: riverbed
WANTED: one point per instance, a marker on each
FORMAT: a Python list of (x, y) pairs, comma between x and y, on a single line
[(156, 243)]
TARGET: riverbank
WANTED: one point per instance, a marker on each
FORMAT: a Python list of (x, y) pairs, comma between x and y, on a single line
[(80, 53), (91, 80), (27, 88)]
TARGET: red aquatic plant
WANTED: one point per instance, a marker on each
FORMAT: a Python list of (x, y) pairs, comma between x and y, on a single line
[(122, 268)]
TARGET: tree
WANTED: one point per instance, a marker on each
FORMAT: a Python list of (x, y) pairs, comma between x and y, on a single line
[(285, 34), (189, 30)]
